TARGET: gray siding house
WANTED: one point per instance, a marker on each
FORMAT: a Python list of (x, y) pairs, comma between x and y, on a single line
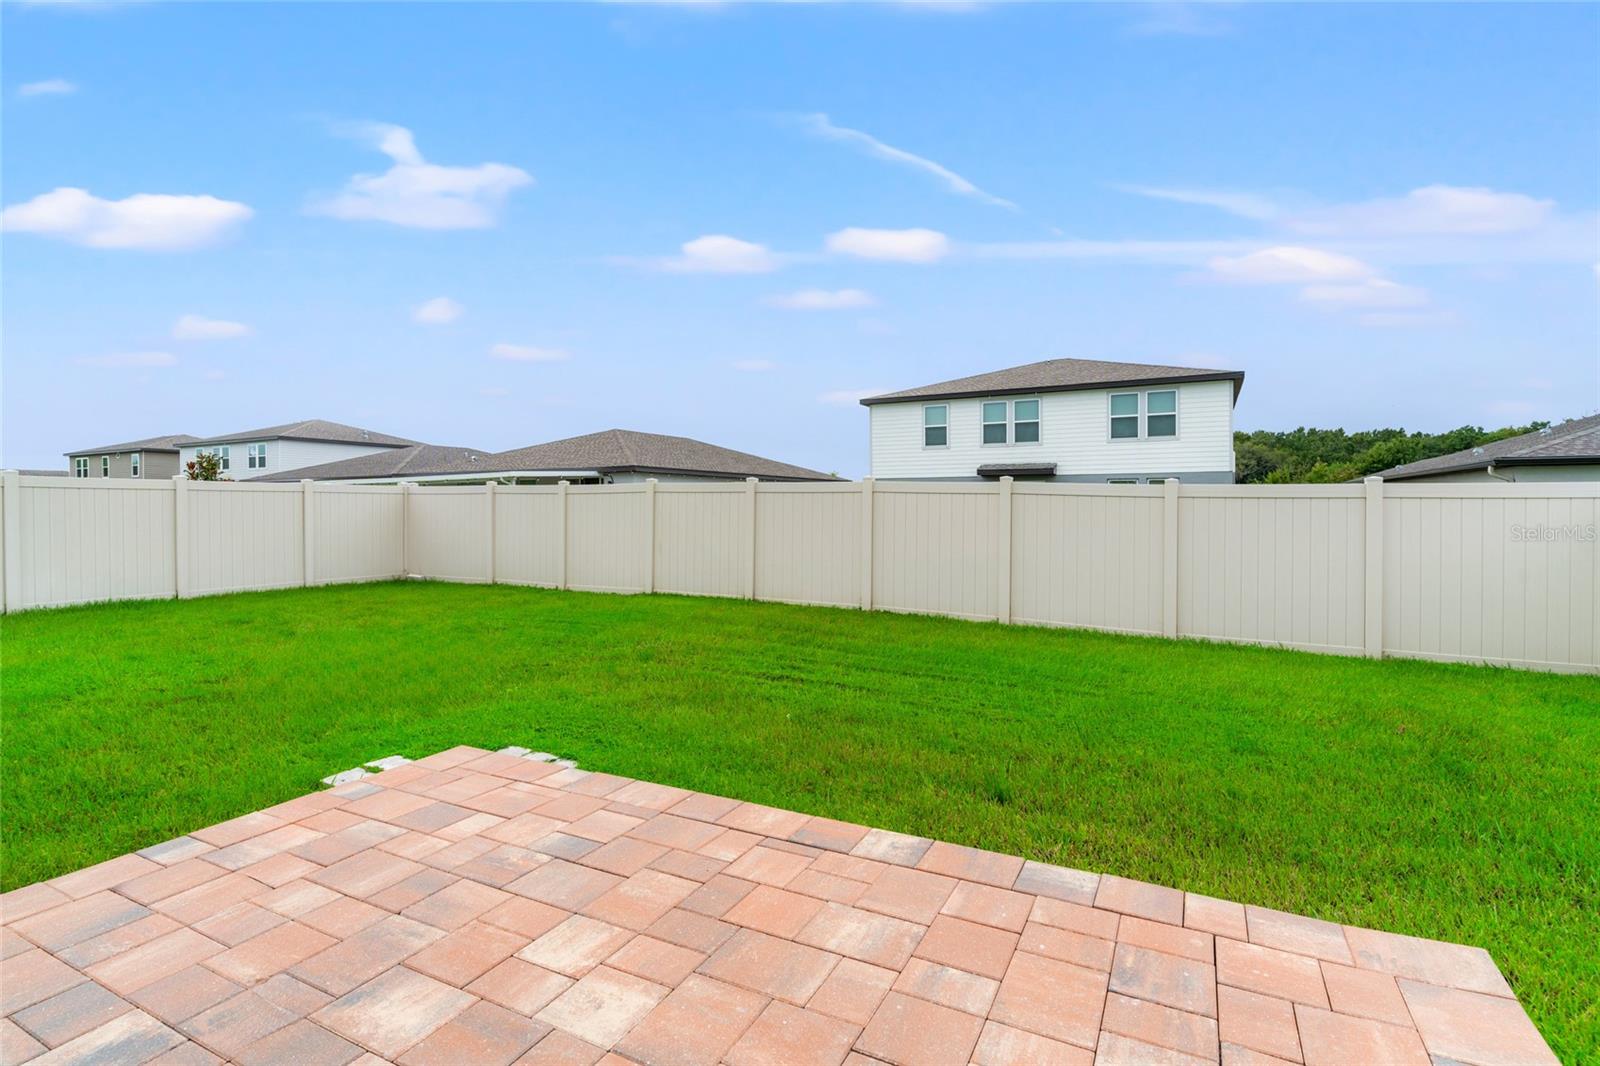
[(155, 457), (1566, 452)]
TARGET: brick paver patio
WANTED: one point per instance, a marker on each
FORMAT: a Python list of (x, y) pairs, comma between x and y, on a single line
[(477, 907)]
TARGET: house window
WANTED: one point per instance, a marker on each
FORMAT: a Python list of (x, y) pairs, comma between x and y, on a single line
[(105, 466), (80, 467), (1025, 421), (1161, 413), (994, 422), (133, 464), (222, 458), (256, 458), (936, 426), (1124, 415)]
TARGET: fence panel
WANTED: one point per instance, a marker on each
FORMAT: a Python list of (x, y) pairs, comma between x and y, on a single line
[(357, 533), (446, 533), (527, 535), (79, 542), (936, 548), (1282, 568), (702, 538), (244, 537), (606, 546), (808, 544), (1503, 574), (1087, 556)]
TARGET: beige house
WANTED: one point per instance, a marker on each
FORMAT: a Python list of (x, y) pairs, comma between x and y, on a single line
[(155, 457), (1566, 452)]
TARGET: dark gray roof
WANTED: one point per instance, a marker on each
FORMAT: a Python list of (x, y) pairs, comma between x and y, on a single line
[(610, 451), (624, 450), (1060, 375), (169, 443), (314, 429), (1574, 441), (416, 461), (1017, 470), (46, 473)]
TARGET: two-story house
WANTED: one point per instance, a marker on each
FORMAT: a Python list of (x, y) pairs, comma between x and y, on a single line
[(1079, 420), (152, 457), (275, 449)]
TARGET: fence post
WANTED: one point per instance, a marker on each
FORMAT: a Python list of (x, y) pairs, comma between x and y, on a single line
[(1169, 557), (1374, 589), (649, 534), (750, 517), (488, 532), (866, 543), (1004, 566), (180, 536), (308, 532), (405, 529), (561, 536), (13, 540)]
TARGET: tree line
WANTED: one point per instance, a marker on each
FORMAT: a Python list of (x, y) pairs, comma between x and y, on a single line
[(1325, 455)]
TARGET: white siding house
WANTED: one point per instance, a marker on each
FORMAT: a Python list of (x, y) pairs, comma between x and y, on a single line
[(276, 449), (1062, 420)]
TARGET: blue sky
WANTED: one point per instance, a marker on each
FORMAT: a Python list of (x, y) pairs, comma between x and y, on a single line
[(728, 221)]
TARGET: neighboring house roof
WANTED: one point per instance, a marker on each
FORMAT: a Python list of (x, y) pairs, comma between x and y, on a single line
[(45, 473), (1060, 375), (170, 443), (610, 451), (314, 429), (415, 461), (1574, 441)]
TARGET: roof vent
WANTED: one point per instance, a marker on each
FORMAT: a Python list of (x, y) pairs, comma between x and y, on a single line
[(1545, 432), (1477, 451)]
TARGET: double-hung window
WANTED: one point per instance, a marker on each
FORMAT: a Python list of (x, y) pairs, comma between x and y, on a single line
[(133, 463), (105, 466), (80, 466), (936, 425), (256, 457), (222, 458), (1010, 421), (1136, 415), (995, 429), (1025, 421)]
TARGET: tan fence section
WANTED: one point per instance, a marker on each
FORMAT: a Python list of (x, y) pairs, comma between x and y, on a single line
[(1481, 573)]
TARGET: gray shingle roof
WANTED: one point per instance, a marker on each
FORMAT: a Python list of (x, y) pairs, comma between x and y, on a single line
[(418, 460), (610, 451), (314, 429), (1574, 441), (168, 443), (1060, 375)]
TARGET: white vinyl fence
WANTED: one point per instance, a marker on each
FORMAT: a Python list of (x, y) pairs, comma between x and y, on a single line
[(1479, 573)]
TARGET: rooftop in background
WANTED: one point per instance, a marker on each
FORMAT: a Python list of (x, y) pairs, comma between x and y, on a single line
[(611, 451), (169, 443), (1060, 375), (1574, 441), (314, 429)]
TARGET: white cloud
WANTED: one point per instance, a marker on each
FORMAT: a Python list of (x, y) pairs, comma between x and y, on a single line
[(821, 126), (436, 312), (718, 253), (1433, 209), (1243, 204), (129, 359), (847, 397), (200, 328), (1288, 264), (527, 353), (419, 194), (821, 300), (148, 221), (48, 87), (897, 245), (753, 366), (1371, 293)]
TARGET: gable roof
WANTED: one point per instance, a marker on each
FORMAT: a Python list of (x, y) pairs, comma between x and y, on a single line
[(313, 429), (169, 443), (418, 460), (1060, 375), (1574, 441), (624, 450), (610, 451)]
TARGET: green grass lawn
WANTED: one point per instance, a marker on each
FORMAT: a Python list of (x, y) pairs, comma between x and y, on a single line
[(1454, 802)]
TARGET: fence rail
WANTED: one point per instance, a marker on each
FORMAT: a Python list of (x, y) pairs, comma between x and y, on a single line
[(1504, 573)]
